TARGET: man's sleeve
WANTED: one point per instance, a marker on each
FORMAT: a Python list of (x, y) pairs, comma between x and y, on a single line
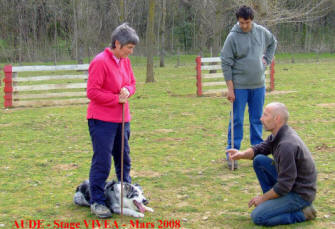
[(262, 148), (271, 45), (287, 169), (227, 59), (95, 91)]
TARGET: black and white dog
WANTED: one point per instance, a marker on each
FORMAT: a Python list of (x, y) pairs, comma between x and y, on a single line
[(133, 199)]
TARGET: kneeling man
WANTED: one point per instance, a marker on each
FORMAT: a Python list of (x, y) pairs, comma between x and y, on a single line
[(289, 181)]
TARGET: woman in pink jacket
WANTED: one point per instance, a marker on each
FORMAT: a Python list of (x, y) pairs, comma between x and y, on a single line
[(110, 83)]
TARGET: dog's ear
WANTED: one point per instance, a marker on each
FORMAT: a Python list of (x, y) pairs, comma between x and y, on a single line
[(83, 186), (130, 191), (110, 185), (138, 186), (127, 187)]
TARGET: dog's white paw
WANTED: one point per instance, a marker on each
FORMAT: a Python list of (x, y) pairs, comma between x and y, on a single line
[(139, 215), (149, 209)]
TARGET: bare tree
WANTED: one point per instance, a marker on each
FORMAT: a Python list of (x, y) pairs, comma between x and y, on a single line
[(150, 42), (75, 29), (273, 12), (162, 34), (123, 4), (55, 30)]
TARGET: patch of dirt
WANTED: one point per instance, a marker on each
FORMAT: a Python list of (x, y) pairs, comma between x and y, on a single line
[(182, 204), (322, 147), (280, 92), (326, 105), (325, 176), (186, 114), (169, 139), (164, 130), (170, 93), (144, 174), (226, 176), (66, 166), (3, 125)]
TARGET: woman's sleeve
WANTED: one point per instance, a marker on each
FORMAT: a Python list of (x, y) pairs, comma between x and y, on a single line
[(95, 91), (131, 86)]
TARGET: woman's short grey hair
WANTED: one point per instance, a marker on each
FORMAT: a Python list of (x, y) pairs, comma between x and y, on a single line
[(125, 35)]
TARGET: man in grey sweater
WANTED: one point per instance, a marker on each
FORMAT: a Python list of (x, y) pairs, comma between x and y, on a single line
[(248, 49), (289, 181)]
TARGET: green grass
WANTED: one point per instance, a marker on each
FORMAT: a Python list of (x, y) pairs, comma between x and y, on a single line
[(177, 149)]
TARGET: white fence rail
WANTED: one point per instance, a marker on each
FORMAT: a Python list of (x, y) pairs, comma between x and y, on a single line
[(32, 86)]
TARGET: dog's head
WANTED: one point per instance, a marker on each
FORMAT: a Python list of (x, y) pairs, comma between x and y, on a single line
[(133, 197)]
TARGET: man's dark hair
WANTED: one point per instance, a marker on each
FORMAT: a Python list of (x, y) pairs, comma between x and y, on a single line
[(245, 12)]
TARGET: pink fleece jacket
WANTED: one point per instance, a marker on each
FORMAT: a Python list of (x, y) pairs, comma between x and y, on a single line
[(106, 77)]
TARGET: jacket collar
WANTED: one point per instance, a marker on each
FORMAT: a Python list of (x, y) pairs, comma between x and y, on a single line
[(281, 132), (110, 54)]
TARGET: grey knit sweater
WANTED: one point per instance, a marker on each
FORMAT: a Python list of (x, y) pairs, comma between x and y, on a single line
[(242, 53)]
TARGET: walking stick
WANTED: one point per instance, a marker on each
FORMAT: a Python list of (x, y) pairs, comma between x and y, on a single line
[(122, 149), (232, 132)]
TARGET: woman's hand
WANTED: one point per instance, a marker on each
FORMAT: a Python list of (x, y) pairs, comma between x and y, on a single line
[(123, 96)]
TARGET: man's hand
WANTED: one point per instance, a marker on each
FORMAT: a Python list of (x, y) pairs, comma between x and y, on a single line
[(231, 95), (235, 154), (256, 201), (123, 96)]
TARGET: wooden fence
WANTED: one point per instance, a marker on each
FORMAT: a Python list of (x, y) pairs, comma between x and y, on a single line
[(210, 80), (27, 86)]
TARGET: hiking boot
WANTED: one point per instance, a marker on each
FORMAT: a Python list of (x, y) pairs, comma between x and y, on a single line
[(309, 212), (100, 210), (230, 164)]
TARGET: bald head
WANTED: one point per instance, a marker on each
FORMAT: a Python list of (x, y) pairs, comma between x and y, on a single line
[(279, 110)]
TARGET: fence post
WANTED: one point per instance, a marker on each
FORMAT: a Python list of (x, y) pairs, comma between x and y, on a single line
[(8, 89), (272, 75), (198, 68)]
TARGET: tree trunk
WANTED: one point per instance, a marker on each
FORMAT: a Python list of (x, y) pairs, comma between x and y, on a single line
[(150, 42), (75, 29), (217, 29), (35, 43), (20, 33), (202, 34), (172, 30), (55, 35), (162, 35), (122, 11)]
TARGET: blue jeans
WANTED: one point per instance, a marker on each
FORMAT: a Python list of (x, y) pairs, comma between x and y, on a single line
[(255, 99), (106, 141), (283, 210)]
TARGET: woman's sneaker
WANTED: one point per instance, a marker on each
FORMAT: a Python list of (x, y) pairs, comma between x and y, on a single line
[(100, 210)]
